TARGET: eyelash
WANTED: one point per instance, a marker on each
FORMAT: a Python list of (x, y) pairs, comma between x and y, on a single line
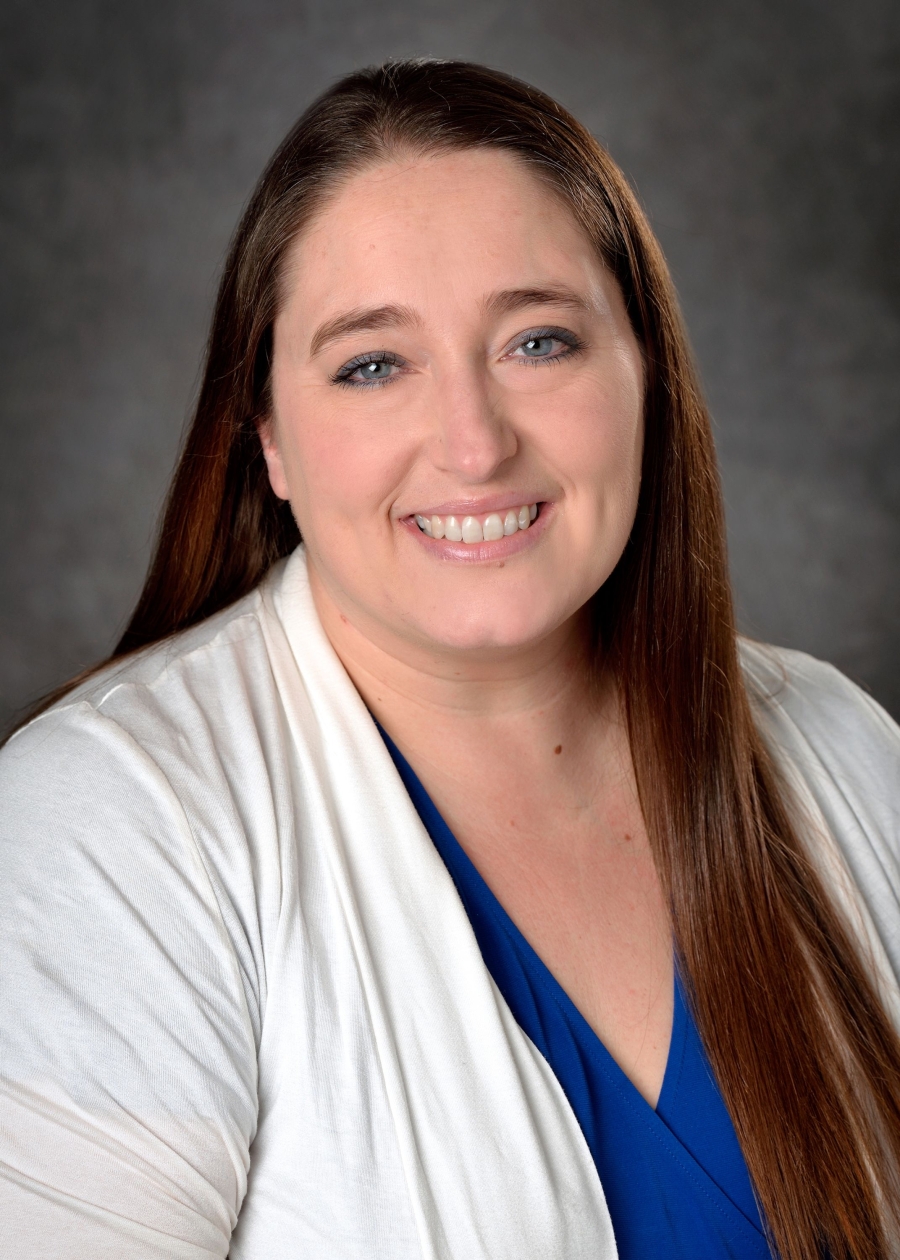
[(574, 344), (342, 376)]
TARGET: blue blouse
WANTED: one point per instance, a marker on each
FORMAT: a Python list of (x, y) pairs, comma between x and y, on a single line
[(675, 1179)]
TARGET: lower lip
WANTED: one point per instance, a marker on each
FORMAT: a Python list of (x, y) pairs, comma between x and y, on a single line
[(485, 552)]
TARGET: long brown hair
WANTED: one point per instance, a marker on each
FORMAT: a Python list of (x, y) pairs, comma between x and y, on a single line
[(806, 1058)]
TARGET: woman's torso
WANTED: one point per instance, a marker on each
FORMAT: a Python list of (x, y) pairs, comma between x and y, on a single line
[(232, 952)]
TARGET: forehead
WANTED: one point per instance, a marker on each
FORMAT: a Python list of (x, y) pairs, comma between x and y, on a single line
[(430, 231)]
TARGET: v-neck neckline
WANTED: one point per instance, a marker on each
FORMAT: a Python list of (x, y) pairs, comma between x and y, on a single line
[(664, 1127), (454, 854), (570, 1010)]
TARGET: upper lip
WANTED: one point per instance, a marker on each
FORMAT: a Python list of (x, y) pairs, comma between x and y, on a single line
[(478, 507)]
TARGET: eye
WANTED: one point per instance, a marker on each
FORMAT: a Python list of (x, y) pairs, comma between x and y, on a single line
[(538, 347), (546, 345), (368, 370)]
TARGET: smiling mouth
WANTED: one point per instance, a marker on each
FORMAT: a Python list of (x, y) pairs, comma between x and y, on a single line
[(478, 529)]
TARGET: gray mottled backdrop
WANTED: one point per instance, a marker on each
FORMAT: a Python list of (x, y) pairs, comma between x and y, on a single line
[(763, 138)]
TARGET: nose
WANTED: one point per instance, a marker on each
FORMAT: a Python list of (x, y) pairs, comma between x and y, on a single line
[(472, 435)]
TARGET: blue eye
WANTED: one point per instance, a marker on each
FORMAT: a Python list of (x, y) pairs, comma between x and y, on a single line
[(547, 345), (374, 370), (538, 347), (368, 369)]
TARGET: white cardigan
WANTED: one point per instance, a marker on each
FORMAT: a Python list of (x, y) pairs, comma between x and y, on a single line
[(242, 1010)]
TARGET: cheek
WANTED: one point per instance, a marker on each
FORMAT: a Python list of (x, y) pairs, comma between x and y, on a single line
[(342, 468), (597, 436)]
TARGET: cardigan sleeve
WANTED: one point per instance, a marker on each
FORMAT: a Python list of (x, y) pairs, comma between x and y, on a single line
[(128, 1086)]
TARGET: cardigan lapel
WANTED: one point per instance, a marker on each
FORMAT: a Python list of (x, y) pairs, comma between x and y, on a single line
[(495, 1163)]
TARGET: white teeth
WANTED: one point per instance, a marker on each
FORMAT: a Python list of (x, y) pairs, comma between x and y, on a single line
[(493, 528), (473, 530)]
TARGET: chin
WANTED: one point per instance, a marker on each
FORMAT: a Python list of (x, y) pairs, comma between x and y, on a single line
[(490, 630)]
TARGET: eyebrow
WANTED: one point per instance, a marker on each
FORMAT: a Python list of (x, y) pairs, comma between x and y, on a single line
[(363, 319), (504, 302), (507, 301)]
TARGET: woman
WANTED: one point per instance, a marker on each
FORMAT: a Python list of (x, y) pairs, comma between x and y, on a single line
[(452, 884)]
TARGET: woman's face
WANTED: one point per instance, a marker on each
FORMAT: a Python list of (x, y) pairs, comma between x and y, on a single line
[(451, 355)]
